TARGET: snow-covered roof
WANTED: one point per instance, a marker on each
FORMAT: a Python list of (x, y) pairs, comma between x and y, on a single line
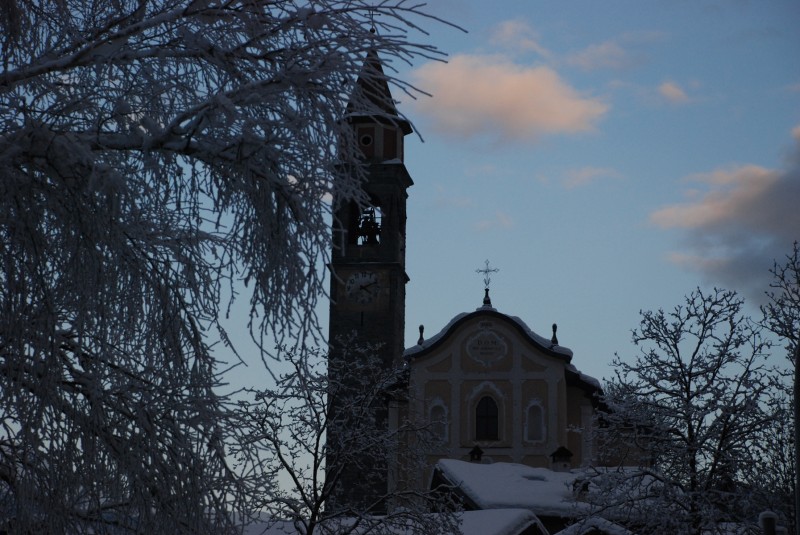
[(593, 524), (583, 377), (497, 522), (544, 343), (515, 486)]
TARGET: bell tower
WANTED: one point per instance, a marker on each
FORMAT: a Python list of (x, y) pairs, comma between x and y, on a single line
[(368, 275), (368, 259)]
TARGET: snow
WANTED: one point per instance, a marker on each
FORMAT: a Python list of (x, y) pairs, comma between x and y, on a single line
[(433, 339), (585, 378), (497, 522), (592, 525), (545, 493), (541, 340), (515, 486), (493, 522)]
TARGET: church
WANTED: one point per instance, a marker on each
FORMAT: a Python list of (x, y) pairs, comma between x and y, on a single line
[(487, 388), (493, 390)]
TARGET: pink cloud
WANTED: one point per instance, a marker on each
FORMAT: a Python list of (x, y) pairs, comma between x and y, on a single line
[(475, 95), (517, 35), (575, 178), (736, 221), (732, 192), (606, 55), (501, 220), (673, 93)]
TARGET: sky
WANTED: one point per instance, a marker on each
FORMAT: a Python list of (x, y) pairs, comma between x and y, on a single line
[(607, 157)]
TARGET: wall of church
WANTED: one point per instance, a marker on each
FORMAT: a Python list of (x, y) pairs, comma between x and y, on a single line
[(579, 425), (536, 411)]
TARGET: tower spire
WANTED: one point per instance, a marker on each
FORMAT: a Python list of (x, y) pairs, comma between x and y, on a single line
[(372, 92)]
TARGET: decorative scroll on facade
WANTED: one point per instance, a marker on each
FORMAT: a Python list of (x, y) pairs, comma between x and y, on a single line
[(486, 347)]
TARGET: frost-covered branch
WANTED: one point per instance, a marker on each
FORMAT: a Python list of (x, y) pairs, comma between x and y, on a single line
[(160, 160), (697, 403), (299, 438)]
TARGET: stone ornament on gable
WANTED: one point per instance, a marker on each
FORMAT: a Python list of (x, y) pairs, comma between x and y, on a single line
[(486, 347)]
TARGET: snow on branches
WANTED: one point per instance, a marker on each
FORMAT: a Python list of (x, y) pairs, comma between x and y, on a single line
[(153, 155), (693, 412), (299, 440)]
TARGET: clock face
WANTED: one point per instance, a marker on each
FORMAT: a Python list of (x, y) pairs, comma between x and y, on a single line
[(362, 287)]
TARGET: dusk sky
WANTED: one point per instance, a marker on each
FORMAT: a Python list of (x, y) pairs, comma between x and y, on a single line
[(606, 157)]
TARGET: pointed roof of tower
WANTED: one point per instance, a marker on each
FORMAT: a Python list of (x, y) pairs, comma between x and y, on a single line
[(373, 87)]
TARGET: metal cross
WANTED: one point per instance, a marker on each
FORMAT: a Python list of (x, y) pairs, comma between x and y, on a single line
[(487, 274)]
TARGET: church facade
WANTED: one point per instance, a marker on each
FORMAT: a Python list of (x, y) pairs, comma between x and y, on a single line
[(487, 388)]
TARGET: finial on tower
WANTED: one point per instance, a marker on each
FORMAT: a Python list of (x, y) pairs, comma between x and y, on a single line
[(554, 339), (421, 338), (487, 279)]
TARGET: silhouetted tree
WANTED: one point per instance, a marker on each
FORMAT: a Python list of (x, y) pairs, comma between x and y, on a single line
[(782, 316), (297, 438), (696, 398)]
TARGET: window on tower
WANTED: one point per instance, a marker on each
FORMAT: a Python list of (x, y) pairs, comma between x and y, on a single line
[(366, 141), (369, 226), (486, 419)]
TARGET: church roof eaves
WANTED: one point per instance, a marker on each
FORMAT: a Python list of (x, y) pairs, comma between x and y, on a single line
[(537, 340)]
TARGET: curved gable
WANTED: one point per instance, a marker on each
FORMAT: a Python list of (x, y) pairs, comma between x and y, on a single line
[(514, 323)]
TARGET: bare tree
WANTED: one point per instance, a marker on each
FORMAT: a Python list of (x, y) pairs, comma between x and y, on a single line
[(696, 399), (782, 317), (294, 462), (153, 155), (782, 312)]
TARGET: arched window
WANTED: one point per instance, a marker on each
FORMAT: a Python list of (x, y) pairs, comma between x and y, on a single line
[(369, 226), (486, 424), (438, 421), (535, 423)]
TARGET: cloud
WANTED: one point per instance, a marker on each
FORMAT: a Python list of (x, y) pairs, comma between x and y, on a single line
[(582, 176), (622, 52), (477, 95), (517, 35), (501, 220), (736, 222), (673, 93), (606, 55), (483, 170), (447, 199)]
